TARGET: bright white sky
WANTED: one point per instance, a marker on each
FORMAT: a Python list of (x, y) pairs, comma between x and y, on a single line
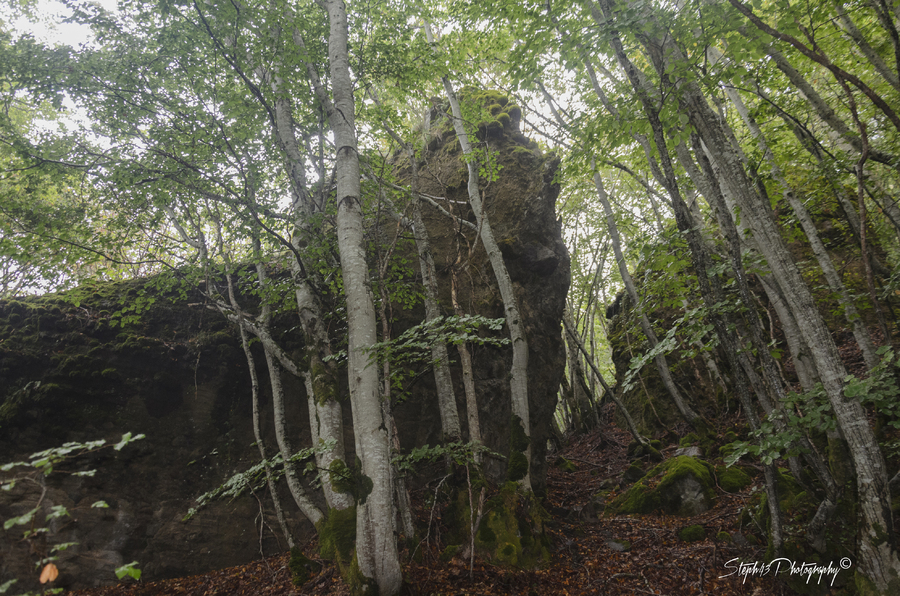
[(51, 30)]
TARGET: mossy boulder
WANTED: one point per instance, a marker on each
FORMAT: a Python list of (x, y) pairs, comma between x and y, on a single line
[(680, 486), (732, 479), (693, 533), (449, 552)]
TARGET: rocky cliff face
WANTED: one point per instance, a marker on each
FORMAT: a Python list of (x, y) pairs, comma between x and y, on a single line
[(72, 369), (176, 374)]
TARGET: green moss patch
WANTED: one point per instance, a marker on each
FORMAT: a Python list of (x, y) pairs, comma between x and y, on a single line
[(302, 567), (517, 468), (337, 535), (692, 533), (511, 532), (566, 465), (732, 479), (649, 449)]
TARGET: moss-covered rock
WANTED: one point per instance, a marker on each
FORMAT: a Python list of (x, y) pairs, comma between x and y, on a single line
[(511, 531), (449, 552), (680, 486), (693, 533), (634, 473), (732, 479)]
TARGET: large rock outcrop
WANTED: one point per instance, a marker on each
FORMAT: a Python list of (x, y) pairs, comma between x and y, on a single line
[(521, 207), (72, 368)]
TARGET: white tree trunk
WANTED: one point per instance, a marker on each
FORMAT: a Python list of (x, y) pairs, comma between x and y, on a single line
[(863, 339), (376, 546), (321, 380), (468, 375), (439, 356), (260, 442), (879, 560), (302, 499)]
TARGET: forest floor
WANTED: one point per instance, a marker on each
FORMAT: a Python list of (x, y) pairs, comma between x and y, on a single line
[(583, 560)]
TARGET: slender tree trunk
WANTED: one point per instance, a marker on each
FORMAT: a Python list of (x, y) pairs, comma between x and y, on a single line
[(662, 365), (879, 562), (439, 356), (849, 27), (580, 393), (260, 442), (629, 422), (863, 339), (468, 374), (519, 371), (302, 499), (322, 386)]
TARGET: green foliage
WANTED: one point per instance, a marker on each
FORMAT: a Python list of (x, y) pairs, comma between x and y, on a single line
[(461, 454), (254, 477), (412, 348), (38, 529), (129, 570), (878, 391)]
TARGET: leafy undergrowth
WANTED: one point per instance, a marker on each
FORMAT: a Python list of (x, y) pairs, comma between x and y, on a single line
[(587, 557)]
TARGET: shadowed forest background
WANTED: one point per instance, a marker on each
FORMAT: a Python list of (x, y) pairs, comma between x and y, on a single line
[(527, 297)]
